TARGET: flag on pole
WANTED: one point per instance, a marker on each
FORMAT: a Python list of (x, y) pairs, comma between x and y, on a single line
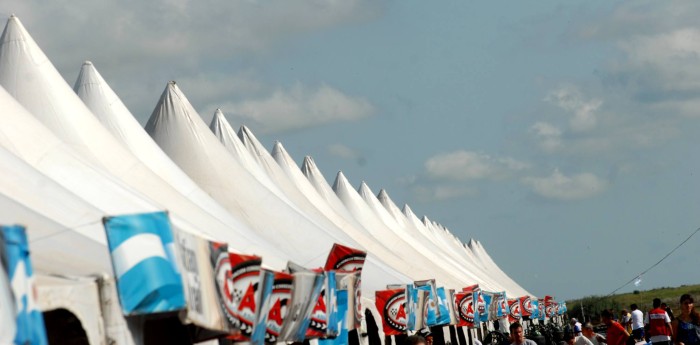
[(525, 306), (28, 324), (342, 338), (143, 257)]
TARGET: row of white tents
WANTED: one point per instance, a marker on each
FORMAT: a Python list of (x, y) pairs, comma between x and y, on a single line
[(72, 156)]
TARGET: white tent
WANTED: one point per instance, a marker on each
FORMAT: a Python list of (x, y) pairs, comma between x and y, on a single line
[(304, 196), (181, 133), (116, 118)]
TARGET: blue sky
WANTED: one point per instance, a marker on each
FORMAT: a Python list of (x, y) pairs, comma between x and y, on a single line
[(559, 134)]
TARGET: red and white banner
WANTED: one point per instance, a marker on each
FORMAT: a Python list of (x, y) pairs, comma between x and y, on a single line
[(342, 258), (515, 313), (526, 306), (391, 305), (281, 296)]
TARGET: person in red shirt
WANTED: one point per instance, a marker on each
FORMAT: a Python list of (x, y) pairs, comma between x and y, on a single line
[(659, 324), (616, 335)]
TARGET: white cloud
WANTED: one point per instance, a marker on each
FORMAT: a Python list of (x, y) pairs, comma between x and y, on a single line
[(139, 46), (549, 135), (342, 151), (569, 98), (442, 192), (562, 187), (299, 107), (468, 165)]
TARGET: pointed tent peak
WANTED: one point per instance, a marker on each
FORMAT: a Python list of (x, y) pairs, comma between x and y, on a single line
[(426, 221), (308, 166), (88, 75), (278, 149), (218, 123), (341, 182), (15, 31), (383, 195), (218, 112), (364, 189)]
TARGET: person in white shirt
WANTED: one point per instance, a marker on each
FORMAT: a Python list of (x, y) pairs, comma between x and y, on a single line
[(637, 323), (594, 337), (571, 339)]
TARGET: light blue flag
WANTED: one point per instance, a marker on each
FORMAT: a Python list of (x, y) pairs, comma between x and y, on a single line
[(332, 329), (444, 311), (502, 306), (411, 307), (535, 309), (342, 321), (267, 277), (30, 322), (143, 258), (430, 315), (487, 314)]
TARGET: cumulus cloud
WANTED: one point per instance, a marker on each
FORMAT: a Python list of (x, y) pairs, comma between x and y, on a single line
[(561, 187), (140, 45), (468, 165), (442, 192), (300, 107), (549, 135), (583, 111)]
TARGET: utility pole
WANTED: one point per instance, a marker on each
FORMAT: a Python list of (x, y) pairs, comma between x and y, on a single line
[(583, 316)]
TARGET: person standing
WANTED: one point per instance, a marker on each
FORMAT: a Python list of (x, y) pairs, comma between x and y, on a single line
[(616, 334), (576, 326), (637, 323), (659, 324), (517, 336), (594, 337), (686, 326), (626, 320)]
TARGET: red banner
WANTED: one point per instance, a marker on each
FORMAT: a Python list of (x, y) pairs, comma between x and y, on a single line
[(391, 304), (515, 311), (241, 295), (281, 294), (549, 306), (342, 258), (525, 306), (465, 308)]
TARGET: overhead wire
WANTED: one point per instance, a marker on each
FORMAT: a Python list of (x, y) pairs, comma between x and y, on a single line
[(656, 264)]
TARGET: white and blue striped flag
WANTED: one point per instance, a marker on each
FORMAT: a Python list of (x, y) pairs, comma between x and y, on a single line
[(143, 258), (29, 325)]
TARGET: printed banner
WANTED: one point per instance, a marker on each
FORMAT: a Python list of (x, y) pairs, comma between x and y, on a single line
[(548, 306), (515, 313), (490, 306), (8, 311), (264, 296), (324, 310), (443, 315), (342, 258), (562, 308), (242, 294), (431, 312), (502, 302), (479, 306), (391, 304), (143, 257), (451, 298), (415, 304), (351, 281), (535, 315), (525, 306), (198, 262), (26, 326), (465, 307), (342, 338), (541, 309), (281, 296), (306, 288)]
